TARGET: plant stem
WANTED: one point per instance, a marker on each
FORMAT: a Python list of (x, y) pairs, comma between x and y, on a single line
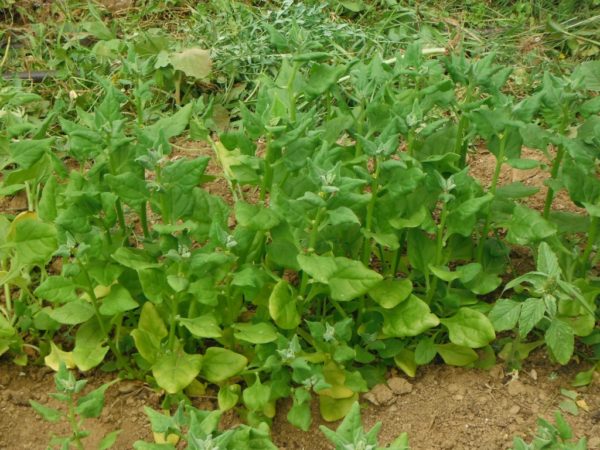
[(74, 426), (370, 209), (173, 324), (291, 93), (144, 220), (592, 234), (312, 241), (553, 174), (460, 147), (438, 249), (496, 177), (268, 176)]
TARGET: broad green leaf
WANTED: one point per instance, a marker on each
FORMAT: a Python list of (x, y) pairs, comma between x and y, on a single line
[(147, 344), (194, 62), (469, 328), (57, 356), (34, 241), (456, 355), (462, 218), (255, 217), (527, 226), (584, 377), (72, 313), (505, 314), (532, 311), (321, 77), (589, 74), (255, 333), (89, 350), (320, 268), (333, 409), (390, 292), (117, 301), (109, 440), (129, 187), (425, 351), (134, 258), (410, 318), (282, 306), (561, 340), (48, 414), (151, 321), (228, 396), (351, 279), (299, 414), (57, 289), (204, 326), (169, 126), (176, 370), (405, 360), (91, 404), (421, 250), (547, 262), (256, 396), (219, 364)]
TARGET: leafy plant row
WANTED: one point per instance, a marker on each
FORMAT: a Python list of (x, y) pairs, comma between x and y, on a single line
[(368, 244)]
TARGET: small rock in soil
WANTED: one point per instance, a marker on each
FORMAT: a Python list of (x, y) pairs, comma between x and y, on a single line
[(458, 397), (497, 372), (594, 443), (514, 410), (125, 387), (399, 386), (515, 388), (380, 395)]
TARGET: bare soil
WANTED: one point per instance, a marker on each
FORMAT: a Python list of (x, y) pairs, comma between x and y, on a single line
[(442, 408)]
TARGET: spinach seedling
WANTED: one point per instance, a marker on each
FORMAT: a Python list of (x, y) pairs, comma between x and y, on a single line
[(78, 408)]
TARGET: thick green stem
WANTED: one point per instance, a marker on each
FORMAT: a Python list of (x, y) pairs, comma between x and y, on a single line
[(7, 297), (268, 176), (459, 146), (312, 241), (553, 174), (173, 322), (144, 220), (495, 178), (75, 431), (592, 235), (438, 250), (291, 93), (366, 257)]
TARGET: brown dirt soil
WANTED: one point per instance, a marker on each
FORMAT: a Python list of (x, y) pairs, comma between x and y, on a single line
[(442, 408), (482, 165)]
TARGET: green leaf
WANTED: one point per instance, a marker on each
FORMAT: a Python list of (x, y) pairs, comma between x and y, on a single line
[(547, 262), (469, 328), (410, 318), (204, 326), (255, 333), (405, 360), (456, 355), (109, 440), (589, 74), (425, 351), (351, 279), (323, 76), (532, 311), (300, 414), (72, 313), (462, 218), (48, 414), (57, 289), (228, 396), (282, 306), (117, 301), (421, 250), (256, 396), (151, 321), (561, 340), (129, 187), (34, 241), (169, 126), (220, 364), (505, 314), (390, 293), (255, 217), (174, 371), (527, 226), (134, 258), (584, 378), (320, 268), (333, 409), (194, 62), (91, 404), (89, 350)]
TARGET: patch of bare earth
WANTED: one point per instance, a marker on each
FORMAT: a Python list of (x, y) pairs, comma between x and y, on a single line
[(442, 408)]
